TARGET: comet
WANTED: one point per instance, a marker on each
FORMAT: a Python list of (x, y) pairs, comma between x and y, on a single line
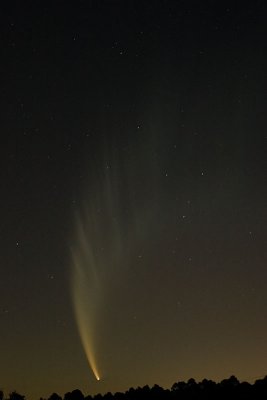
[(110, 224), (85, 293)]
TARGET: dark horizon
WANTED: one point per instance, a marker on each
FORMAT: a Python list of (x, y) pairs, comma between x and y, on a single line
[(191, 389)]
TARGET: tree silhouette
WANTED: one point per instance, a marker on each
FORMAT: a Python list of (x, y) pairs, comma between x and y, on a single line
[(74, 395), (260, 388), (190, 390), (16, 396), (55, 396)]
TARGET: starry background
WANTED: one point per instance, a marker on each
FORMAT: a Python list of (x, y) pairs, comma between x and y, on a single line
[(167, 101)]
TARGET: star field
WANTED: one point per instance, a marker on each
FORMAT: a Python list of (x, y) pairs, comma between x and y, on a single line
[(133, 205)]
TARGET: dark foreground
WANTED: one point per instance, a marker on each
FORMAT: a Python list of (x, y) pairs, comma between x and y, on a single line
[(205, 390)]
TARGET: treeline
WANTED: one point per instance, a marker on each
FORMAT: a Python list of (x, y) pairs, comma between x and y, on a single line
[(190, 390)]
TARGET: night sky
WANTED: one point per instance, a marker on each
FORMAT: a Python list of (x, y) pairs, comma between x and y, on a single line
[(133, 193)]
